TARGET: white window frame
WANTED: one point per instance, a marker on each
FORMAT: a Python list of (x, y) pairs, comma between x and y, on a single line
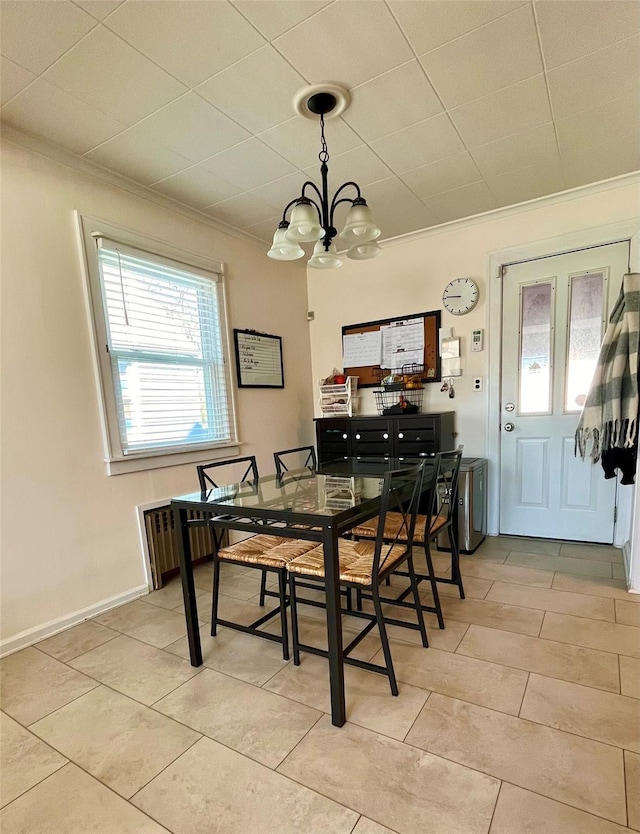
[(117, 462)]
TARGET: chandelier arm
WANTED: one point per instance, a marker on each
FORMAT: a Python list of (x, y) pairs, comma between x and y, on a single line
[(335, 202), (287, 207), (313, 202)]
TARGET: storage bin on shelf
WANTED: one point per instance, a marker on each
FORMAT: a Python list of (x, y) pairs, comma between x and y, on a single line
[(404, 394), (339, 399)]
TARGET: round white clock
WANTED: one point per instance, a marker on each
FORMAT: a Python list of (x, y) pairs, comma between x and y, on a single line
[(460, 296)]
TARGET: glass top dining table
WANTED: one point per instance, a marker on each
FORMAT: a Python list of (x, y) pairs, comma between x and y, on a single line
[(315, 505)]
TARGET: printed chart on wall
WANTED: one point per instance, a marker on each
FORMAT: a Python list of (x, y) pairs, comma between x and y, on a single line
[(258, 359), (371, 347)]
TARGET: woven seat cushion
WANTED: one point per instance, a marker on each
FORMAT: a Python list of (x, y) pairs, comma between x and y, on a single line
[(356, 561), (268, 551), (393, 527)]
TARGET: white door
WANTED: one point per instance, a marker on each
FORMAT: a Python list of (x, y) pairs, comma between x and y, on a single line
[(555, 312)]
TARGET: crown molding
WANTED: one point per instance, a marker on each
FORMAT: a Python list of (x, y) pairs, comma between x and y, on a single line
[(92, 169), (600, 187)]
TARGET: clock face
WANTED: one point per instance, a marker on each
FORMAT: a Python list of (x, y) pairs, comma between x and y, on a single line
[(460, 296)]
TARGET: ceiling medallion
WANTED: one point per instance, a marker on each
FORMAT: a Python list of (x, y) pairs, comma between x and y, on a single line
[(312, 217)]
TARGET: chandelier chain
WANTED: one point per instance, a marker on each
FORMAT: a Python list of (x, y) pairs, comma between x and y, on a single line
[(323, 156)]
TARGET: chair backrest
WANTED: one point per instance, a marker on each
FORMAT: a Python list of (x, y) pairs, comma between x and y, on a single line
[(400, 496), (238, 470), (447, 477), (299, 458)]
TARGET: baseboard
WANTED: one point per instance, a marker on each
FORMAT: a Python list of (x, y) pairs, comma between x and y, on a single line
[(34, 635)]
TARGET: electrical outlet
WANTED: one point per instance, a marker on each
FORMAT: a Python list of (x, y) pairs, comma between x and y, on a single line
[(477, 383)]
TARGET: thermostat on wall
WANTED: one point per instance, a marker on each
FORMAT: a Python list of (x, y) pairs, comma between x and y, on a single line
[(477, 340)]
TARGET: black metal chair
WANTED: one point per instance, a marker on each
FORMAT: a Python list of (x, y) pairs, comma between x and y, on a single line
[(300, 458), (364, 566), (446, 518), (267, 553), (440, 517)]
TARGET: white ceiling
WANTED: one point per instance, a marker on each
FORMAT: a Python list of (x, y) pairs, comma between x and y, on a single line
[(458, 107)]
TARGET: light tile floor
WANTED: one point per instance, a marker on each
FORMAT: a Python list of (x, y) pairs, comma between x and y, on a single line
[(523, 717)]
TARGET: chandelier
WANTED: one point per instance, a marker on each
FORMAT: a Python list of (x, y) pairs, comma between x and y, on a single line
[(312, 213)]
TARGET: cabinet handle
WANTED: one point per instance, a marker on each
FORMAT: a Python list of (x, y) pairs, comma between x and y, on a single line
[(400, 435), (385, 436), (345, 436), (357, 437)]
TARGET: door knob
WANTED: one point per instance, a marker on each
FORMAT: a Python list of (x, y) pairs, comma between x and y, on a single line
[(509, 427), (385, 436)]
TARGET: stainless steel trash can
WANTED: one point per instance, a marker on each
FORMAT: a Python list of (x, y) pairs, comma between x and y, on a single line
[(472, 506)]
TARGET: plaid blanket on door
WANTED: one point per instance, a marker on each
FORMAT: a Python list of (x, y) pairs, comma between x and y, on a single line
[(610, 415)]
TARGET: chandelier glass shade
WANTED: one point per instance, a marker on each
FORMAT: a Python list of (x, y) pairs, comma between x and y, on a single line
[(311, 219)]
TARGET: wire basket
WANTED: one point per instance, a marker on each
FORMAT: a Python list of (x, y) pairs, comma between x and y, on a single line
[(404, 401), (408, 376), (402, 393)]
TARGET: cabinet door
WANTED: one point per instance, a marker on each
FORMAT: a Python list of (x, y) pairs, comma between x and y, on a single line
[(371, 438), (332, 439), (416, 436)]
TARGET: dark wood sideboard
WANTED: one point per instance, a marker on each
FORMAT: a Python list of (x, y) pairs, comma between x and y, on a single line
[(415, 435)]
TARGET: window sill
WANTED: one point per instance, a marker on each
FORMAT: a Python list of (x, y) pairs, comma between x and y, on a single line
[(141, 464)]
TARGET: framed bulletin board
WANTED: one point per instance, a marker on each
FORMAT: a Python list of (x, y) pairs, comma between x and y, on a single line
[(258, 359), (380, 344)]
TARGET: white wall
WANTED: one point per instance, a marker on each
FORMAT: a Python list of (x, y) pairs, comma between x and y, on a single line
[(410, 275), (69, 532)]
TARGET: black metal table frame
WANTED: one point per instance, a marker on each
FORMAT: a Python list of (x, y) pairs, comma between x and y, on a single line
[(279, 522)]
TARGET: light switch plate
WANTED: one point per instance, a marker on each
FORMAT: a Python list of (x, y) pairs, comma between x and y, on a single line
[(477, 383)]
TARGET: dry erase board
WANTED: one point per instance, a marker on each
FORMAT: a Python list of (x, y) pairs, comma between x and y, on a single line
[(368, 373), (258, 359)]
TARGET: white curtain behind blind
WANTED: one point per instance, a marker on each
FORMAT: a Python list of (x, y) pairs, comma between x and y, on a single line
[(165, 344)]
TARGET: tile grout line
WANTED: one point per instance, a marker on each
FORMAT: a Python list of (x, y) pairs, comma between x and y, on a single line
[(40, 781), (624, 783), (173, 761), (547, 674), (564, 804), (413, 723), (95, 779), (495, 806), (524, 692), (497, 778), (536, 723)]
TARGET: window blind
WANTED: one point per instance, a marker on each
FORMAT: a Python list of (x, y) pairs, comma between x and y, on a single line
[(166, 351)]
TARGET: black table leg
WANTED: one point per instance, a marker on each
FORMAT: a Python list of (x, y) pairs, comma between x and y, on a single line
[(188, 589), (334, 626)]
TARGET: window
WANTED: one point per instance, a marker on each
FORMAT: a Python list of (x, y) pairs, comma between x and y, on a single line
[(161, 344), (586, 319), (536, 348)]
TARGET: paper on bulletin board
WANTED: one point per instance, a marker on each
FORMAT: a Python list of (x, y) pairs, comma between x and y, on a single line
[(359, 349), (402, 343)]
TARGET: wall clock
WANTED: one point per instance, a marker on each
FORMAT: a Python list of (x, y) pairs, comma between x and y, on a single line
[(460, 296)]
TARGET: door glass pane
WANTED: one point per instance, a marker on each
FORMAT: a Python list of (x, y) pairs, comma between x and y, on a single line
[(535, 349), (585, 334)]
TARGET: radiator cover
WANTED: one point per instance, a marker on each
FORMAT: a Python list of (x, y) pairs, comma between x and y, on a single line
[(162, 539)]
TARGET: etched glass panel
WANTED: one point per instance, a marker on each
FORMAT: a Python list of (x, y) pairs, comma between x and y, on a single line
[(585, 335), (535, 349)]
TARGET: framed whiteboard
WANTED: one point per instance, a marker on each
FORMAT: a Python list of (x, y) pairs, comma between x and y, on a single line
[(258, 359)]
